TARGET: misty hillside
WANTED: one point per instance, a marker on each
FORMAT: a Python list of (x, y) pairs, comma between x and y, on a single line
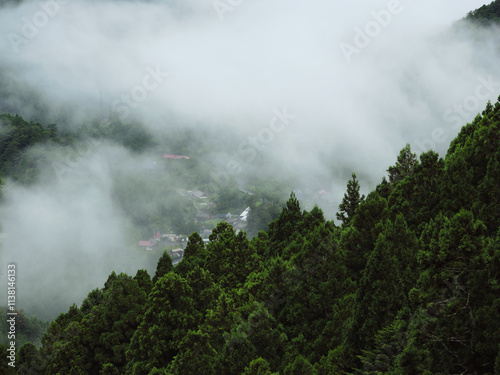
[(231, 187), (407, 283), (487, 14)]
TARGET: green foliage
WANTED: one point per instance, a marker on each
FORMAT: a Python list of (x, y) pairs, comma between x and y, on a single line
[(228, 199), (230, 258), (95, 338), (204, 287), (109, 369), (350, 202), (169, 314), (486, 14), (471, 176), (255, 334), (164, 266), (260, 216), (497, 362), (461, 292), (5, 368), (144, 281), (417, 195), (196, 355), (258, 366), (404, 166), (358, 241), (284, 227), (388, 277), (28, 329), (408, 285), (384, 188), (94, 298), (300, 366), (194, 254), (131, 135), (16, 137)]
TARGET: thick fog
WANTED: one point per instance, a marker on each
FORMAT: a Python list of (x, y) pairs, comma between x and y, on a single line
[(320, 88)]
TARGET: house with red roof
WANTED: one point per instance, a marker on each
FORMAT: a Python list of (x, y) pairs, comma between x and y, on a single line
[(175, 157), (147, 244)]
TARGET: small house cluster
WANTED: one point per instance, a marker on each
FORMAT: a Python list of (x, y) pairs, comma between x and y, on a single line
[(175, 157), (159, 241), (238, 221)]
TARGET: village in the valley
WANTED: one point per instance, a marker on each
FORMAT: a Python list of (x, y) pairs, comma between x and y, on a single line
[(173, 243)]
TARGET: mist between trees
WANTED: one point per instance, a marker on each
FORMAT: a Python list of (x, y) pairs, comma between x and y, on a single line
[(272, 150)]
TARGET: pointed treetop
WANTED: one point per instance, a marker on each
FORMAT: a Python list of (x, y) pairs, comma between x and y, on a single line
[(163, 267), (351, 201), (404, 166)]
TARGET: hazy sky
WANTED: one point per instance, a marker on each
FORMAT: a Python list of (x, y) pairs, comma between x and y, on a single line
[(352, 82)]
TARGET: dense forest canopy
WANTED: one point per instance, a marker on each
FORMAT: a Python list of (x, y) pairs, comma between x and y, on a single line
[(487, 14)]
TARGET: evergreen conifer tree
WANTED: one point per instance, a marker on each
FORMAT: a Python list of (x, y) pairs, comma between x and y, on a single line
[(164, 266), (404, 166), (351, 201)]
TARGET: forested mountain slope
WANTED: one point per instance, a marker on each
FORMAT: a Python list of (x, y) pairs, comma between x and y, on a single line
[(407, 284), (486, 14)]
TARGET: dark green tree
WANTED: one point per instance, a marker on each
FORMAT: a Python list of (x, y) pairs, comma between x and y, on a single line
[(196, 355), (96, 338), (169, 315), (404, 165), (144, 281), (204, 288), (29, 360), (17, 136), (230, 258), (458, 289), (486, 14), (418, 196), (59, 335), (94, 298), (194, 255), (255, 333), (351, 201), (258, 366), (285, 226), (163, 267), (388, 277), (300, 366), (384, 188), (358, 241), (109, 369), (487, 207), (260, 217)]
